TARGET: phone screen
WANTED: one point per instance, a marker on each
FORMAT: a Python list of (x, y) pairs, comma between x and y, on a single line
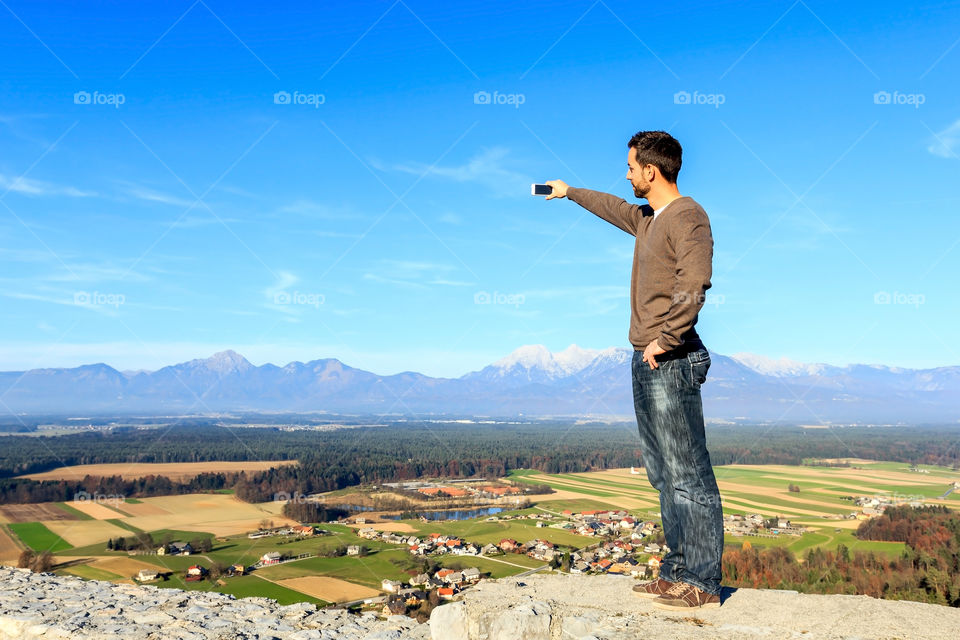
[(541, 189)]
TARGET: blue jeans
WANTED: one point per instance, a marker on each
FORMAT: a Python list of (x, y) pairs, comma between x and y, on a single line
[(670, 420)]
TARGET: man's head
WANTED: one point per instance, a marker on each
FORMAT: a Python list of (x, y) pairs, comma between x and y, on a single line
[(654, 159)]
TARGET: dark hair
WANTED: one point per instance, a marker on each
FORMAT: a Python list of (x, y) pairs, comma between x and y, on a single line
[(660, 149)]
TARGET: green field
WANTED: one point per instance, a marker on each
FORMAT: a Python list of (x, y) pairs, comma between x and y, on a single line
[(36, 536), (480, 531), (764, 490), (744, 490), (371, 570), (249, 586), (101, 548), (90, 573)]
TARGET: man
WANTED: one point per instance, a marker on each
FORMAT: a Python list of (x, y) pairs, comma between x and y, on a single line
[(671, 272)]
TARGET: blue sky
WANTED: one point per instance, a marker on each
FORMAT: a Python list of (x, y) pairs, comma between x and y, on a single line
[(297, 181)]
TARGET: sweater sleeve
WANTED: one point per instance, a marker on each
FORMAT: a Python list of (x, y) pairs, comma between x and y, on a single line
[(614, 210), (693, 245)]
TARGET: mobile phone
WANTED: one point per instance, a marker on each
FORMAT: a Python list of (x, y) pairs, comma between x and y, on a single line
[(540, 189)]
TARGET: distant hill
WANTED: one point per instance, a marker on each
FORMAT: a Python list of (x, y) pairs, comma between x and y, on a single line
[(531, 381)]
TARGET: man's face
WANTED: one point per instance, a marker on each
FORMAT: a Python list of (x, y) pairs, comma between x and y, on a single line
[(635, 175)]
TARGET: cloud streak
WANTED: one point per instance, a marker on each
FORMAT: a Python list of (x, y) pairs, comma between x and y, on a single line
[(31, 187), (946, 143)]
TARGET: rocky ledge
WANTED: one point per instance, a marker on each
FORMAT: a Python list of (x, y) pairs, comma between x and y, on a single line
[(539, 607), (571, 607), (42, 605)]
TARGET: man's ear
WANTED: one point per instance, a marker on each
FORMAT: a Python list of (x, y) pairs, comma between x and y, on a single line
[(649, 172)]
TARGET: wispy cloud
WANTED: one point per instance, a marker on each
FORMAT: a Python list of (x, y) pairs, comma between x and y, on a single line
[(451, 218), (336, 234), (31, 187), (489, 168), (192, 222), (946, 143), (291, 301), (285, 280), (586, 301), (149, 195), (76, 299), (411, 273), (93, 273), (315, 210)]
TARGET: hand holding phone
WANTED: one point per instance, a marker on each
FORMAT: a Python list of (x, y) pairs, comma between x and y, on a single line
[(551, 188)]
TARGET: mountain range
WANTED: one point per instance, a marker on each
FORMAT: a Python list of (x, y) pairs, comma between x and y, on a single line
[(531, 381)]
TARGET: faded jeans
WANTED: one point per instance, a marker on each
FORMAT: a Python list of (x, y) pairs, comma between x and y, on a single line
[(670, 420)]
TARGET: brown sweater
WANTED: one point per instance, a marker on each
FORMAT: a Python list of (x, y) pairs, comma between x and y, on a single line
[(671, 265)]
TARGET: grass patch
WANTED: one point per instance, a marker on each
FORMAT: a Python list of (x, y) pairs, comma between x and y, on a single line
[(368, 571), (482, 532), (90, 573), (124, 525), (36, 536), (576, 505), (243, 587), (76, 513)]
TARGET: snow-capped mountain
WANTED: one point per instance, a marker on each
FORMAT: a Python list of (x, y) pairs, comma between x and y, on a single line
[(779, 368), (535, 363), (532, 381)]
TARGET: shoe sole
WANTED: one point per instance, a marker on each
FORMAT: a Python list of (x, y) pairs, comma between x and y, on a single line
[(682, 607), (644, 594)]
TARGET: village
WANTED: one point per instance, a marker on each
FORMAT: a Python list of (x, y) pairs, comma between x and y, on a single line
[(627, 548), (417, 561), (626, 545)]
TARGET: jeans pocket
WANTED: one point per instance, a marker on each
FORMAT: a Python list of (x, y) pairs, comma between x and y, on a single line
[(698, 372)]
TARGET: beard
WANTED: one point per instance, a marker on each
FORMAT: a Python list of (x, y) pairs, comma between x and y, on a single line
[(641, 190)]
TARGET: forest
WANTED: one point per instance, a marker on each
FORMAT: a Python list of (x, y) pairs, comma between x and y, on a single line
[(927, 571), (334, 459)]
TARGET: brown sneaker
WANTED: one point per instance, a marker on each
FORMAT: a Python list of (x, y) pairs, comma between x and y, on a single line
[(652, 588), (683, 597)]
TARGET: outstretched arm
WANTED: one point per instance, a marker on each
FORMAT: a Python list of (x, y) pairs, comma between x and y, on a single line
[(614, 210)]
